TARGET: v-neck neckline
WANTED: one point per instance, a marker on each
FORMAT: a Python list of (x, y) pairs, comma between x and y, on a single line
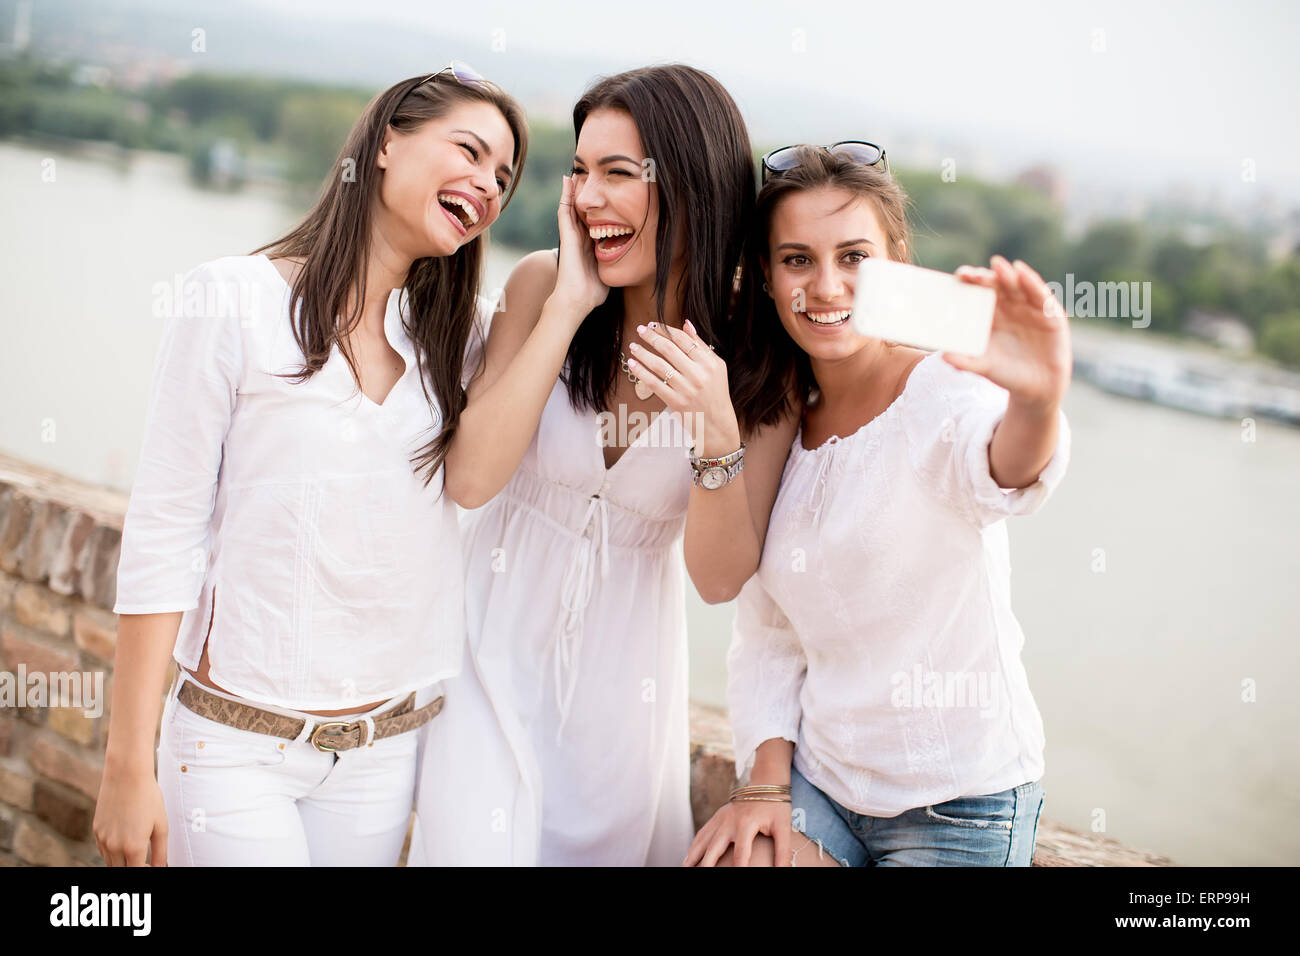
[(335, 350), (600, 449)]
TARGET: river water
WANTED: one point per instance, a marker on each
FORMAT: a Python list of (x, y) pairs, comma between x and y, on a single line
[(1159, 589)]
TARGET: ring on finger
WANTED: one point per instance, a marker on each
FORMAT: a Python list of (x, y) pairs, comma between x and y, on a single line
[(671, 372)]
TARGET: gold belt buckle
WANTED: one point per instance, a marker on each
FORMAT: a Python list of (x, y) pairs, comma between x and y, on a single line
[(319, 727)]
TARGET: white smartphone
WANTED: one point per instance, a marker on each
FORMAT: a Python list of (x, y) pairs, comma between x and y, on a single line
[(922, 307)]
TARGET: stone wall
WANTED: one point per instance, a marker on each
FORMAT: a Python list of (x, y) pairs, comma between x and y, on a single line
[(59, 544)]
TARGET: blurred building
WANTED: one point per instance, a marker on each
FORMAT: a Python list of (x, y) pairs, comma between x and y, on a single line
[(1047, 181), (1224, 330)]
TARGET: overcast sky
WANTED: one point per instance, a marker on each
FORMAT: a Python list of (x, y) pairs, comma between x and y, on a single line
[(1149, 92), (1195, 87)]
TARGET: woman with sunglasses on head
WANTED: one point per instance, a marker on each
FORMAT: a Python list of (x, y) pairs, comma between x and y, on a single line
[(878, 702), (287, 539), (603, 369)]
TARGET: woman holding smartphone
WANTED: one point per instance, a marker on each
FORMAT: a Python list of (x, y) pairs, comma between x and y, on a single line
[(605, 367), (287, 541), (877, 698)]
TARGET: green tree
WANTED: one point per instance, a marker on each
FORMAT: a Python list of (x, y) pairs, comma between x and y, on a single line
[(529, 221), (1225, 278), (313, 128), (1158, 301), (1280, 337), (1112, 245)]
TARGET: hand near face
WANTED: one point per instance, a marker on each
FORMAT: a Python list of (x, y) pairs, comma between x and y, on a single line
[(578, 280)]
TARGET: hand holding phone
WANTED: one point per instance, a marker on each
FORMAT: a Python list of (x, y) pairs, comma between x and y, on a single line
[(926, 308)]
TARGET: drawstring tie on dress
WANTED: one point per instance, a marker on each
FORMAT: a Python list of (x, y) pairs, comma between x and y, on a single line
[(819, 494), (575, 594)]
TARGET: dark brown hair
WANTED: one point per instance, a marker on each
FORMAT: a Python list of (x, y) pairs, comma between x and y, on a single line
[(334, 238), (704, 171), (770, 350)]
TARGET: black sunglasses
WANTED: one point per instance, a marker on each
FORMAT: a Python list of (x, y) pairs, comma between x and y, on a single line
[(787, 157)]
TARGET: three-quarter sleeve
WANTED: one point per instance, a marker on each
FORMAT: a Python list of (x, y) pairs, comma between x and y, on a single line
[(948, 422), (166, 534), (765, 674), (476, 347)]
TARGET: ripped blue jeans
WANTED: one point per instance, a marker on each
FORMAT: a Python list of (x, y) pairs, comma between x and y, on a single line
[(996, 829)]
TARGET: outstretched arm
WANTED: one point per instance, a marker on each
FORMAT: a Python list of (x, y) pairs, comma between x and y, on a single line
[(1028, 355)]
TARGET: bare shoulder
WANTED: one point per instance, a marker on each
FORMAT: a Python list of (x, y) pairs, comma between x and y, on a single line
[(534, 274), (530, 284), (517, 312), (778, 434)]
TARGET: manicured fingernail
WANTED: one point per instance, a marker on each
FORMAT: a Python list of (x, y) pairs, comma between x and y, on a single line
[(641, 329), (689, 327), (631, 363), (633, 346)]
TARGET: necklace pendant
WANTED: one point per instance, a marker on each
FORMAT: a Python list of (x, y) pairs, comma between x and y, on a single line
[(643, 390)]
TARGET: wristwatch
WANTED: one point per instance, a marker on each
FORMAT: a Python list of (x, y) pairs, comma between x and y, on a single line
[(713, 473)]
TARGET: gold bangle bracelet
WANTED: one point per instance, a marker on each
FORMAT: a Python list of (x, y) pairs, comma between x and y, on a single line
[(762, 799)]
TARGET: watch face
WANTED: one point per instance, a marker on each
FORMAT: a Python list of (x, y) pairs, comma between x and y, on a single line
[(714, 477)]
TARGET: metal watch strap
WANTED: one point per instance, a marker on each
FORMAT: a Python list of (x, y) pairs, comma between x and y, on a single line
[(731, 465)]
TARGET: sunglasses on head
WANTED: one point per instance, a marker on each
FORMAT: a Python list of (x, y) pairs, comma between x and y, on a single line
[(787, 157), (462, 73)]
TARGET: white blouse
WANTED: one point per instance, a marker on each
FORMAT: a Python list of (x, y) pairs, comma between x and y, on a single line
[(878, 634), (285, 519)]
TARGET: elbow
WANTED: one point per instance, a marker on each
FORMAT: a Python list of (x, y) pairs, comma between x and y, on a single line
[(467, 482), (468, 494), (719, 595), (715, 588)]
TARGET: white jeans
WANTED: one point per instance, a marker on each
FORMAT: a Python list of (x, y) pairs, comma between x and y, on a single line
[(240, 798)]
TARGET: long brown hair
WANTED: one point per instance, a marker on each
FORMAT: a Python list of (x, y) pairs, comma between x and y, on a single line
[(334, 238), (770, 351), (704, 171)]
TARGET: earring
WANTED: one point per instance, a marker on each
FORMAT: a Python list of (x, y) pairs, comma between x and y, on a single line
[(766, 289)]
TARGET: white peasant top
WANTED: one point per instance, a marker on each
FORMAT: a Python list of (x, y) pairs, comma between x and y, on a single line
[(285, 519), (878, 634)]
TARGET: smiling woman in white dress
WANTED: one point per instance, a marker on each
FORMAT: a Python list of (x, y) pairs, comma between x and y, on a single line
[(574, 591), (878, 702), (287, 541)]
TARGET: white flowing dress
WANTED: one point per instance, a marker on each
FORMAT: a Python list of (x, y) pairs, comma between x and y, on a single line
[(565, 741)]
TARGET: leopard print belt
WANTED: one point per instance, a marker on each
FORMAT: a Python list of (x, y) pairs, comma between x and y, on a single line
[(328, 737)]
